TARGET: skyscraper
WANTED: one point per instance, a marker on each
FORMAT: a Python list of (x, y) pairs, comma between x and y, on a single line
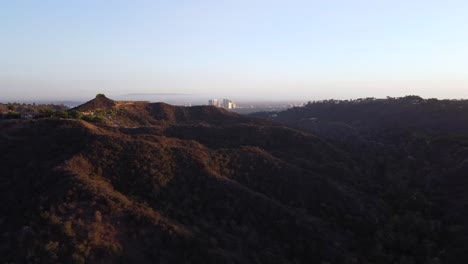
[(228, 104), (214, 102)]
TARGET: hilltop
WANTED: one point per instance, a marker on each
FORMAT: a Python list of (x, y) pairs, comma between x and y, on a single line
[(141, 113), (101, 102)]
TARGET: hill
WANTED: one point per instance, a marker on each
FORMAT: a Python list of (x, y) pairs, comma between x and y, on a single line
[(141, 113), (75, 191), (417, 145), (381, 118), (101, 102), (150, 182)]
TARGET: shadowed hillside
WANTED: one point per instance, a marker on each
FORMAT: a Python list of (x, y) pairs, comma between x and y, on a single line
[(417, 148), (379, 118), (93, 192), (139, 182)]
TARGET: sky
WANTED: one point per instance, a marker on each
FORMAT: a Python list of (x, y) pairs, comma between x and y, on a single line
[(241, 49)]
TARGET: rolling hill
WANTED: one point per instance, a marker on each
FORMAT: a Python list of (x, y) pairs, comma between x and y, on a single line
[(140, 182), (415, 145)]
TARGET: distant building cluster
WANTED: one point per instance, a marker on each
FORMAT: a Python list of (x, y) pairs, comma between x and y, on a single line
[(226, 103)]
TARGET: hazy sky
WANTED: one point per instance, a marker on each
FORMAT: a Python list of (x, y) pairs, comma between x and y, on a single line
[(240, 48)]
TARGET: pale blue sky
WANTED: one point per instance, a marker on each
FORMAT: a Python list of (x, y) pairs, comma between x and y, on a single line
[(241, 48)]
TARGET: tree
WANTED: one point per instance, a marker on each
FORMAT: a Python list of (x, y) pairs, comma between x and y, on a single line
[(61, 114), (75, 114), (11, 107)]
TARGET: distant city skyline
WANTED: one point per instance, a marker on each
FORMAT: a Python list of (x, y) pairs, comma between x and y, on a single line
[(225, 103), (244, 50)]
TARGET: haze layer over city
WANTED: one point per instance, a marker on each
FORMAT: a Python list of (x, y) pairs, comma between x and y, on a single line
[(192, 51)]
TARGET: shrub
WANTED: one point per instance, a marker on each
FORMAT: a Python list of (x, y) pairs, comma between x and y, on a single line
[(75, 114)]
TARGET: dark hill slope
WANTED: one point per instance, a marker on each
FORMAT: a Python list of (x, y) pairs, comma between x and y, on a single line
[(154, 183), (79, 192), (161, 113), (195, 114), (417, 149), (385, 119), (57, 210)]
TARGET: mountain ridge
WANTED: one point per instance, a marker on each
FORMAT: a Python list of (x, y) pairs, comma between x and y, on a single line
[(102, 175), (149, 182)]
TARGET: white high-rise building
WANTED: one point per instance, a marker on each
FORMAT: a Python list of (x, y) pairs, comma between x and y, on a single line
[(228, 104), (214, 102)]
